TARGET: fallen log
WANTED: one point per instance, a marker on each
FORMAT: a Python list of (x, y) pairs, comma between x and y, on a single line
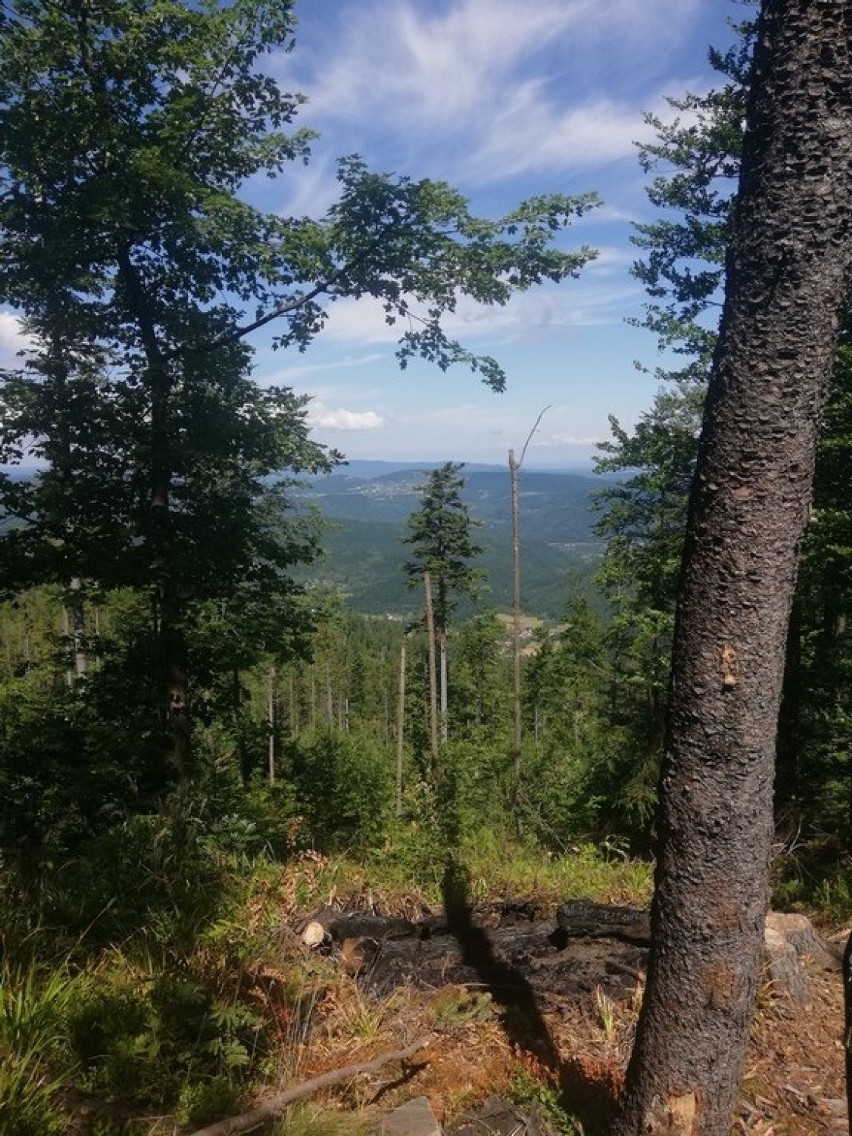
[(249, 1121)]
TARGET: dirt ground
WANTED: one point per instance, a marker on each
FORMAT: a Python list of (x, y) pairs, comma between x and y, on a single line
[(515, 990)]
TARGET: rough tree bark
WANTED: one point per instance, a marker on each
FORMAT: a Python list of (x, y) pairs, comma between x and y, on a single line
[(787, 277)]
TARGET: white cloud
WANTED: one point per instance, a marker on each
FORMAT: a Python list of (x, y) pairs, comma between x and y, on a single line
[(550, 440), (532, 134), (322, 417), (13, 341), (12, 336), (291, 375), (587, 302), (458, 79), (307, 191), (611, 259), (404, 60)]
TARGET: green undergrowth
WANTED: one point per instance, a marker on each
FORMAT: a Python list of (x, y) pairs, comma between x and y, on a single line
[(542, 1099), (497, 866), (155, 980), (816, 880), (313, 1120), (178, 998)]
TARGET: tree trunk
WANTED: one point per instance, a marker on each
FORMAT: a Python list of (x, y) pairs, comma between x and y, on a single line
[(788, 746), (329, 696), (433, 678), (172, 680), (514, 469), (295, 723), (271, 724), (442, 656), (847, 1026), (787, 276), (400, 728), (243, 756)]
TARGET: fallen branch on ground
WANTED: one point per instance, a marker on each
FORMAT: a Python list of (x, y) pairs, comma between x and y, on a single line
[(249, 1121)]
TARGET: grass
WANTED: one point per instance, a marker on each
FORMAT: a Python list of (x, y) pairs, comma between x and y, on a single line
[(497, 867), (605, 1008), (34, 1054), (312, 1120), (542, 1099), (193, 1030)]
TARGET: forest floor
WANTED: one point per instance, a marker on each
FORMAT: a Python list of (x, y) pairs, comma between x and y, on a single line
[(526, 999)]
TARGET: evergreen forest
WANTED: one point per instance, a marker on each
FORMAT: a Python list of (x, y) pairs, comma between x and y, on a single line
[(241, 681)]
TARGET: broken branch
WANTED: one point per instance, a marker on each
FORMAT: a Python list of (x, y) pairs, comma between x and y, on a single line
[(249, 1121)]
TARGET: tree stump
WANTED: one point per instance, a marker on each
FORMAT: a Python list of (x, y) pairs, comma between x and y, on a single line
[(788, 939)]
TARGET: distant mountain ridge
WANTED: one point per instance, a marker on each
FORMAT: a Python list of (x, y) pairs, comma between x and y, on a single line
[(367, 504)]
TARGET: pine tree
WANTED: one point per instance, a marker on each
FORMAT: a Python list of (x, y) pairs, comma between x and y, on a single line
[(442, 546)]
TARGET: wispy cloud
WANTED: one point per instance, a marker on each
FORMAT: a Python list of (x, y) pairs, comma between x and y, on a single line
[(307, 191), (529, 316), (295, 374), (532, 133), (13, 341), (458, 77)]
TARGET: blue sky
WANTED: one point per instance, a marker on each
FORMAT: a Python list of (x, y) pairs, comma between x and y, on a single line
[(503, 99)]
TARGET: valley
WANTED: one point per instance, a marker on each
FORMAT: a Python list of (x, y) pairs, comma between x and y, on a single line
[(365, 506)]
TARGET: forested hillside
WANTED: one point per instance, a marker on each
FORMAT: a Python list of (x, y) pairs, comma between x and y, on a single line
[(301, 759), (366, 509)]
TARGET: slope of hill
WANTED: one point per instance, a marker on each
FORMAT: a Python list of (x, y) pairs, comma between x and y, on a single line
[(367, 504)]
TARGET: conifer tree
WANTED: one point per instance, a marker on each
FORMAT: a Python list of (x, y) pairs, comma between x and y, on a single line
[(788, 270), (441, 539)]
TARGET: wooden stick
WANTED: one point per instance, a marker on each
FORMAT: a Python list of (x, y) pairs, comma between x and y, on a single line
[(249, 1121)]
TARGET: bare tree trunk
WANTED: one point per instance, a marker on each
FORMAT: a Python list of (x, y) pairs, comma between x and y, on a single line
[(787, 277), (77, 619), (271, 723), (442, 655), (295, 723), (174, 695), (433, 678), (400, 728), (329, 696), (66, 636), (243, 757), (517, 736), (514, 468)]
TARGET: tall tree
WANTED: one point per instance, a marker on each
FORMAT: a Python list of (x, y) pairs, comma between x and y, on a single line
[(695, 160), (788, 271), (128, 131), (440, 534)]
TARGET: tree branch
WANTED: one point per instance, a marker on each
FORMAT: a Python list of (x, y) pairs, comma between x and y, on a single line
[(249, 1121), (239, 333)]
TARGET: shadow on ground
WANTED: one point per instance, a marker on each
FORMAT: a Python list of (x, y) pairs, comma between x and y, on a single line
[(587, 1092)]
